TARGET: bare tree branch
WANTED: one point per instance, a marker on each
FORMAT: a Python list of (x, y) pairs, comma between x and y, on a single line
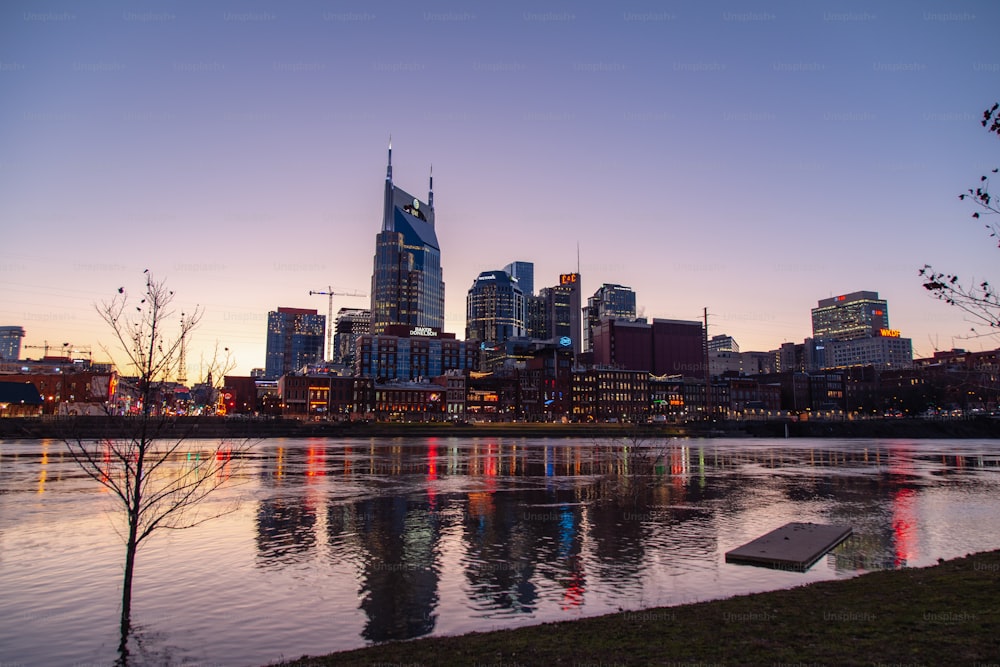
[(978, 299), (149, 470)]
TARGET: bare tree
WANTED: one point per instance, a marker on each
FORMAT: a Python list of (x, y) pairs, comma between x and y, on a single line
[(144, 465), (637, 464), (979, 299)]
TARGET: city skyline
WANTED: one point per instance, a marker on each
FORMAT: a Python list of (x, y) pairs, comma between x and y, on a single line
[(750, 162)]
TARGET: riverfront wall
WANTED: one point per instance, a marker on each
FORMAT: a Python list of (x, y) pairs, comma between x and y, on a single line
[(96, 427)]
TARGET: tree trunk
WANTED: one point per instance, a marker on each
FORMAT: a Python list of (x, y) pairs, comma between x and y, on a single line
[(131, 547), (126, 617)]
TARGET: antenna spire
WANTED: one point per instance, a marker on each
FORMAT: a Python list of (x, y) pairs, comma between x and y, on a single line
[(430, 189), (388, 169)]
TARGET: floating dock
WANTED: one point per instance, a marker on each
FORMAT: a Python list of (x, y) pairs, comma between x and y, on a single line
[(794, 546)]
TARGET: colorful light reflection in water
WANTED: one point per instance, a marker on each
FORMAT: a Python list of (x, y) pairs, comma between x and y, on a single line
[(390, 540)]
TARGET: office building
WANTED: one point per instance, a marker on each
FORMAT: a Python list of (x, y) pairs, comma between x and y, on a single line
[(524, 272), (664, 347), (888, 351), (351, 323), (535, 321), (724, 356), (609, 301), (494, 309), (407, 284), (294, 340), (604, 394), (403, 353), (723, 343), (853, 330), (563, 312), (850, 316), (10, 343)]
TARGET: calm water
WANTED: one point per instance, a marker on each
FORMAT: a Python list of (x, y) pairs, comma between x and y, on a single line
[(341, 543)]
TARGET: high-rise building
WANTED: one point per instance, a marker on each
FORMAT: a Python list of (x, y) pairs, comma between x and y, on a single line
[(10, 343), (886, 352), (853, 330), (609, 300), (664, 347), (525, 274), (563, 312), (723, 343), (407, 284), (850, 316), (295, 338), (351, 323), (494, 308)]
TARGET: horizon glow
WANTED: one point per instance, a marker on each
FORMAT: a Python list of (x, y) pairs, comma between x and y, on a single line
[(749, 161)]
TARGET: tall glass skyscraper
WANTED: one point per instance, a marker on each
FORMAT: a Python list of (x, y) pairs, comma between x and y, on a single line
[(563, 312), (351, 323), (407, 284), (525, 274), (10, 343), (850, 316), (295, 338), (609, 300), (494, 308)]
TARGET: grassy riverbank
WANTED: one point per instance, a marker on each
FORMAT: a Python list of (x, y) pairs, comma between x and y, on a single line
[(943, 615)]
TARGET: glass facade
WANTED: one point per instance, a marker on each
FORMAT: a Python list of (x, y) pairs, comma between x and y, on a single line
[(407, 282), (525, 274), (563, 313), (850, 316), (494, 308), (295, 338), (401, 358), (10, 343), (609, 301), (351, 323)]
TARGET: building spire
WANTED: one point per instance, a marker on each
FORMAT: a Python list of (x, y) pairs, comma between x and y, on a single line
[(388, 169), (430, 190)]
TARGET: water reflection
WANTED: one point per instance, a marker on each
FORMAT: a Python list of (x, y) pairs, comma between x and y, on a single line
[(526, 526), (394, 539), (398, 580)]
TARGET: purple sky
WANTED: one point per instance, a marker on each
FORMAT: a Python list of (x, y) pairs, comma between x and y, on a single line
[(751, 158)]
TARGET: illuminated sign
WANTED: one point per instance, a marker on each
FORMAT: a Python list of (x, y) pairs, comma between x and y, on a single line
[(568, 278), (565, 341), (422, 331), (889, 333)]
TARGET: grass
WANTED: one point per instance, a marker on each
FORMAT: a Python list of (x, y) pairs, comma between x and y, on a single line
[(948, 614)]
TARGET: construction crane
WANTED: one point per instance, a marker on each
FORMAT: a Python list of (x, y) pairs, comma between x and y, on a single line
[(329, 315), (68, 350), (45, 348), (182, 374)]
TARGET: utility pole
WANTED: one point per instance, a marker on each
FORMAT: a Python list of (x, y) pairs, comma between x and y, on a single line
[(708, 372)]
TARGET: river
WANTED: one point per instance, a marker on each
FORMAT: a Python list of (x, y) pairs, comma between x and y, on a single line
[(334, 544)]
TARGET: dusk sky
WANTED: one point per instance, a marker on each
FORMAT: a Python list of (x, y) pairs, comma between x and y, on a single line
[(751, 158)]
